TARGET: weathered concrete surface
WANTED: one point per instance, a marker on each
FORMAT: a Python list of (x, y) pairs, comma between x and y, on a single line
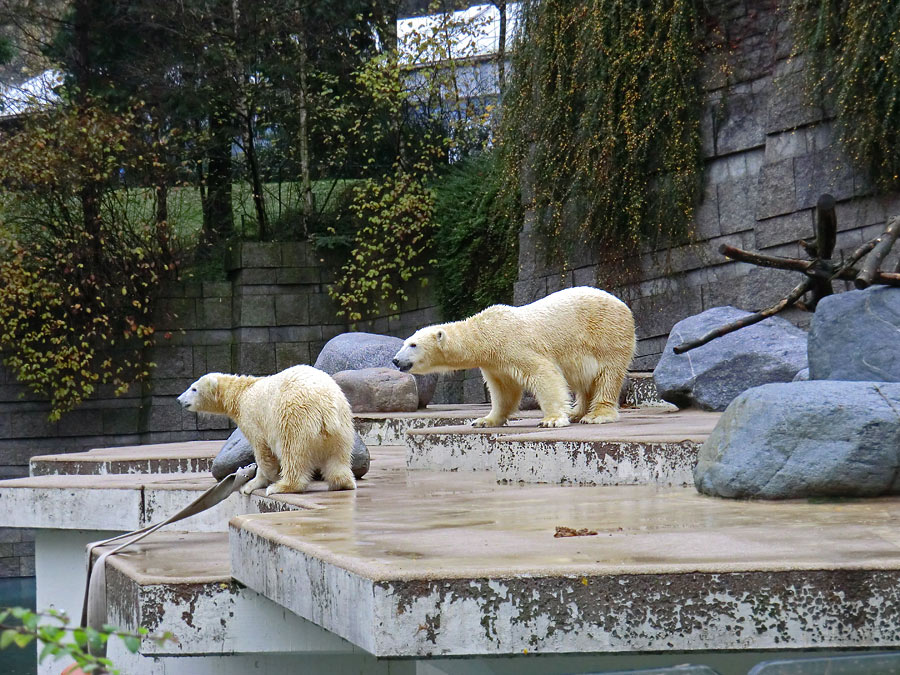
[(187, 457), (181, 582), (391, 428), (124, 502), (646, 446), (463, 447), (442, 563)]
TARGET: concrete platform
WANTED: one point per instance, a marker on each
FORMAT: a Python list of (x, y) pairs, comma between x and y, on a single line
[(166, 458), (451, 564), (648, 445), (181, 582), (391, 428)]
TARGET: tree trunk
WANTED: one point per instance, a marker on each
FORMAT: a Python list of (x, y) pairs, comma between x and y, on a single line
[(307, 202), (219, 223), (245, 113), (501, 49)]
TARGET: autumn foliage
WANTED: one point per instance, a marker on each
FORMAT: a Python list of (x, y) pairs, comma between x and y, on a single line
[(80, 259)]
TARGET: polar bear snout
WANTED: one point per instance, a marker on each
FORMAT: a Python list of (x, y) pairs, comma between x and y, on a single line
[(403, 360), (403, 366), (189, 397)]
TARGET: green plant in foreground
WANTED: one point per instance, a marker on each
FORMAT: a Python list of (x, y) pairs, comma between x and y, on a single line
[(60, 640), (852, 49)]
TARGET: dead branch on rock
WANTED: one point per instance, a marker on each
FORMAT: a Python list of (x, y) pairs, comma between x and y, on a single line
[(821, 270)]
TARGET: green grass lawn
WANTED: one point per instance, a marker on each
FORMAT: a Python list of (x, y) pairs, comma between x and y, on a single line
[(281, 200)]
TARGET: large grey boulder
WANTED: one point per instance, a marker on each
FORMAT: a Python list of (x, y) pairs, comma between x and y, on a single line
[(355, 351), (237, 453), (711, 376), (805, 439), (378, 390), (856, 336)]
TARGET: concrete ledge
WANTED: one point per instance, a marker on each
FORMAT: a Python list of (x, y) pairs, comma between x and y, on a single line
[(462, 447), (181, 583), (391, 428), (450, 564), (647, 446), (167, 458), (125, 502)]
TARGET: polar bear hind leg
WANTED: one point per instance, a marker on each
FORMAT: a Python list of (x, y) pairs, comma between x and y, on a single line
[(604, 397), (506, 394)]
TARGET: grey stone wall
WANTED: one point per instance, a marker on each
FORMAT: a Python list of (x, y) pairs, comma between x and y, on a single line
[(769, 155)]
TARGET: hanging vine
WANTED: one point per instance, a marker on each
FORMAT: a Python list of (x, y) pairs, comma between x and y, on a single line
[(604, 110), (852, 49)]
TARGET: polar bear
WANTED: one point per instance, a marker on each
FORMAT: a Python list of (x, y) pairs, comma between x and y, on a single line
[(580, 338), (297, 421)]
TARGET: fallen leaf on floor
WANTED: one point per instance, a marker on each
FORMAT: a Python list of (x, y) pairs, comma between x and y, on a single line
[(562, 531)]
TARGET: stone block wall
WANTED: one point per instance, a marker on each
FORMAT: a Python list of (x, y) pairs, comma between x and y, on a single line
[(769, 155), (273, 312)]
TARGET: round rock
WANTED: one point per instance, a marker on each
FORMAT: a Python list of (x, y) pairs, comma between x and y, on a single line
[(711, 376), (854, 336), (820, 438), (378, 390), (355, 351), (237, 453)]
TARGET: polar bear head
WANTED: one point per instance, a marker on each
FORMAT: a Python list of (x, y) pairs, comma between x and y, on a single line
[(423, 352), (202, 396)]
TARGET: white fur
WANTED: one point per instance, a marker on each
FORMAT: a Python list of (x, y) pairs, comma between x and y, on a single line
[(579, 338), (297, 421)]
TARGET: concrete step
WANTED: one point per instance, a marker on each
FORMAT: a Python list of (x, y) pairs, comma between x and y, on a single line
[(162, 458), (192, 457), (180, 582), (452, 564), (647, 446)]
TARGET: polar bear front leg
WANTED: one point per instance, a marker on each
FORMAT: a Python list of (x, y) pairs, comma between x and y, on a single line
[(505, 396), (552, 392)]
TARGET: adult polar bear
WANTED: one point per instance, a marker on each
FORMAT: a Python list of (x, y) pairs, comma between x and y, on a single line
[(580, 338)]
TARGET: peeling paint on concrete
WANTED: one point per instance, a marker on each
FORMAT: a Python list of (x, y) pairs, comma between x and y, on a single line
[(596, 463), (562, 614), (450, 451)]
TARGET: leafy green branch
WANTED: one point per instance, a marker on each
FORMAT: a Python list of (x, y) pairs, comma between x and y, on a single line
[(60, 640)]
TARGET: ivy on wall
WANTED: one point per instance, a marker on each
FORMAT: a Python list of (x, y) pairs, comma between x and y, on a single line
[(852, 48), (604, 110), (477, 238)]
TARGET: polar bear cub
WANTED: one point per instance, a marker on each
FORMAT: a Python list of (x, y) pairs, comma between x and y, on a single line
[(297, 421), (579, 338)]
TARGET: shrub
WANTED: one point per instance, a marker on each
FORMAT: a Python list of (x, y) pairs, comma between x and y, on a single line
[(80, 266), (477, 238), (853, 52), (603, 111), (392, 244)]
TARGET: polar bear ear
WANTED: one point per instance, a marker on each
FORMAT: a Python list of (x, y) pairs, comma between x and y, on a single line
[(441, 336), (212, 382)]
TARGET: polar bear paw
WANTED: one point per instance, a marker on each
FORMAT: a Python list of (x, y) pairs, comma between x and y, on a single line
[(552, 422), (255, 484), (601, 416), (488, 422)]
